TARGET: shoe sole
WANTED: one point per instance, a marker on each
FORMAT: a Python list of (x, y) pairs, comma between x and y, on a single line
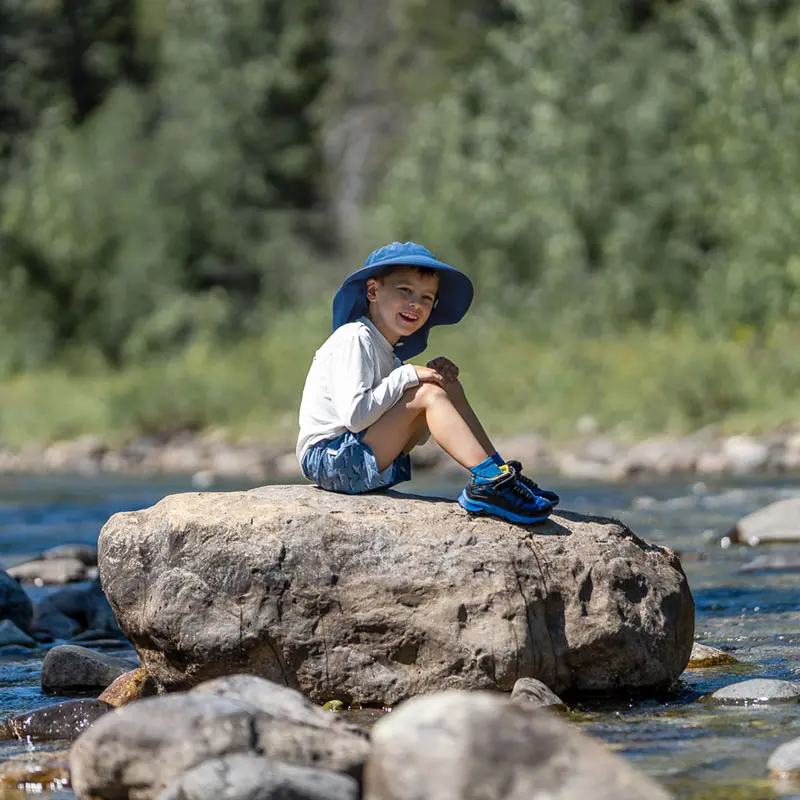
[(480, 509)]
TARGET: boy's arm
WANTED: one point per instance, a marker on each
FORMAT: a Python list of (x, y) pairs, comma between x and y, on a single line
[(351, 374)]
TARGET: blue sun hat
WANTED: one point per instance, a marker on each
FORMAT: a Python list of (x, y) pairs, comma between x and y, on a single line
[(453, 298)]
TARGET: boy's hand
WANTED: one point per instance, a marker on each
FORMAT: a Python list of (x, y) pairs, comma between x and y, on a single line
[(429, 375), (445, 367)]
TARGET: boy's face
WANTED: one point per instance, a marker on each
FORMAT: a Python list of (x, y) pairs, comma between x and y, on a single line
[(401, 302)]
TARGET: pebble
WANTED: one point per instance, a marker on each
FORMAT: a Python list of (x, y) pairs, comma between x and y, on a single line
[(704, 656), (535, 694)]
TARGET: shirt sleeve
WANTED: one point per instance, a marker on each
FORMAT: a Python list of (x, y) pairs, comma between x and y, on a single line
[(351, 373)]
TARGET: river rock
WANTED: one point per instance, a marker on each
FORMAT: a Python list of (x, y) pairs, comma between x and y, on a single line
[(376, 598), (69, 667), (49, 620), (15, 605), (250, 777), (757, 690), (10, 634), (777, 522), (140, 748), (745, 454), (704, 656), (460, 745), (84, 553), (88, 606), (533, 693), (60, 721), (52, 571), (131, 686), (784, 763)]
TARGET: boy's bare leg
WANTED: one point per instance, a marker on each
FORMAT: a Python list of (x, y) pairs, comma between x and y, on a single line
[(389, 436), (455, 391)]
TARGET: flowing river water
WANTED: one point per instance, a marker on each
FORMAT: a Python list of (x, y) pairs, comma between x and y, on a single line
[(696, 750)]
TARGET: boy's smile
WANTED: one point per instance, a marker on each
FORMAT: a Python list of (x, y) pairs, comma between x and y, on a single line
[(401, 302)]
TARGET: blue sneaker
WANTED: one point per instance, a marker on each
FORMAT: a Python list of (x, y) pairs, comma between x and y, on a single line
[(532, 486), (505, 497)]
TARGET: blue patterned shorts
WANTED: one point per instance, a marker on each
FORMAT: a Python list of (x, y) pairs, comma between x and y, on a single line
[(345, 464)]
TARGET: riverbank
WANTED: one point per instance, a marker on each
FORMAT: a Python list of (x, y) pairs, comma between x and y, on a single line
[(610, 408), (213, 456)]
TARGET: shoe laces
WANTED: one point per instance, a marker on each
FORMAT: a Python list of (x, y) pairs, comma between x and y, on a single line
[(514, 479), (516, 466)]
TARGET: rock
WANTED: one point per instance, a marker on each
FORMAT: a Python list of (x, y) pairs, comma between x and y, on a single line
[(51, 571), (377, 598), (133, 685), (77, 455), (11, 634), (745, 454), (773, 562), (68, 667), (15, 605), (777, 522), (142, 747), (533, 693), (34, 773), (784, 763), (458, 745), (758, 690), (82, 552), (250, 777), (88, 606), (48, 619), (662, 456), (97, 639), (704, 656), (60, 721)]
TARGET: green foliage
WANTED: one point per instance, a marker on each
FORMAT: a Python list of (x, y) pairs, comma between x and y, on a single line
[(178, 178)]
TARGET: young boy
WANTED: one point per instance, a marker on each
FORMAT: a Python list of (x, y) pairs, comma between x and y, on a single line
[(363, 410)]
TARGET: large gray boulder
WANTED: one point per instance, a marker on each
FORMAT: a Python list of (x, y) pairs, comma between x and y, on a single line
[(139, 749), (462, 746), (381, 597)]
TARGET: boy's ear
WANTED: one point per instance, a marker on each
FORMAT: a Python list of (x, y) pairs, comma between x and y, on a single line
[(372, 288)]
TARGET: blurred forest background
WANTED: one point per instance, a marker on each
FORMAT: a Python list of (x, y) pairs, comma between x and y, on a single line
[(183, 183)]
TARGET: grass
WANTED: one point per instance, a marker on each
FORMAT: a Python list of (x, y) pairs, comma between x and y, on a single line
[(634, 385)]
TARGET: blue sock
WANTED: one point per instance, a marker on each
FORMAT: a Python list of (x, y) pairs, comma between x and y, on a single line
[(486, 470), (497, 458)]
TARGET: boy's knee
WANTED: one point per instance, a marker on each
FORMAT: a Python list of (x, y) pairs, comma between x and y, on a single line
[(426, 393)]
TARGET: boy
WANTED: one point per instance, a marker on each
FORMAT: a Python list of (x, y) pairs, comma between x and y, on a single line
[(363, 410)]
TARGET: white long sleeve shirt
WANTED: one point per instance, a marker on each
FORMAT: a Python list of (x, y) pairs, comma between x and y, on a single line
[(354, 379)]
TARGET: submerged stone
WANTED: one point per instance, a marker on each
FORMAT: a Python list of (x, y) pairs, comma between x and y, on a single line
[(704, 656), (757, 690)]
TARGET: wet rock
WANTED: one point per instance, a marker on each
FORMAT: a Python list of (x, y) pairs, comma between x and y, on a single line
[(144, 746), (48, 619), (379, 597), (745, 454), (784, 763), (774, 562), (466, 745), (82, 552), (531, 692), (15, 605), (54, 571), (704, 656), (11, 634), (88, 606), (777, 522), (69, 667), (250, 777), (60, 721), (34, 773), (127, 688), (97, 639), (758, 690)]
